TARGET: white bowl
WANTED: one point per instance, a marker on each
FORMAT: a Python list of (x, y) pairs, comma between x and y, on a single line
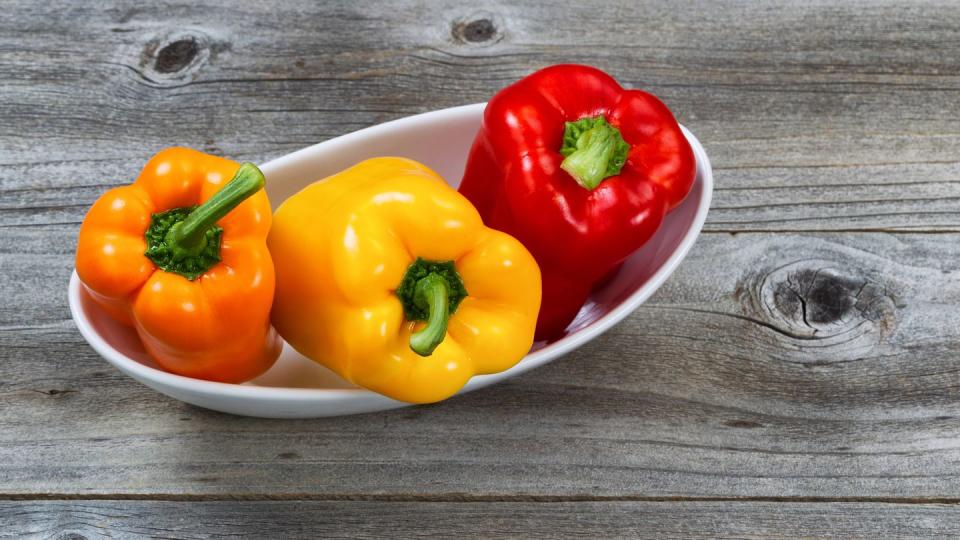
[(299, 388)]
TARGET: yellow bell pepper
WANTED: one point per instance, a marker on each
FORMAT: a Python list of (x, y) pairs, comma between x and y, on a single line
[(387, 276)]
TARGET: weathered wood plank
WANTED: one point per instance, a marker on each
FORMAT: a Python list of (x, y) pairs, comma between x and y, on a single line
[(770, 365), (817, 116), (371, 519)]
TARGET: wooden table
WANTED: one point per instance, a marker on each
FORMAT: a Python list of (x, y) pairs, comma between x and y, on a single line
[(798, 376)]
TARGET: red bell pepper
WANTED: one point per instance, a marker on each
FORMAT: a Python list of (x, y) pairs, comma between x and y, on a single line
[(582, 172)]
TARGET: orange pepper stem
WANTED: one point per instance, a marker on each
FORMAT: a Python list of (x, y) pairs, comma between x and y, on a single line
[(431, 293), (188, 238)]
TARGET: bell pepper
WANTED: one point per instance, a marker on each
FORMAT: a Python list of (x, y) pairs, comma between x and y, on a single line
[(387, 276), (181, 256), (582, 172)]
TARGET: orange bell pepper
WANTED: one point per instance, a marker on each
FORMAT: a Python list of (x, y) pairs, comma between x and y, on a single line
[(196, 282)]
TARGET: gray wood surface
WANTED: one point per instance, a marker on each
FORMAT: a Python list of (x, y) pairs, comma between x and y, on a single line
[(797, 376), (375, 519)]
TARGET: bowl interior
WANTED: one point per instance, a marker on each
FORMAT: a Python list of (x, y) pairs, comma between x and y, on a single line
[(441, 140)]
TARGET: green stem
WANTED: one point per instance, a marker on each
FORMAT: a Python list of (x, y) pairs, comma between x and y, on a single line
[(430, 291), (594, 150), (189, 237), (431, 294)]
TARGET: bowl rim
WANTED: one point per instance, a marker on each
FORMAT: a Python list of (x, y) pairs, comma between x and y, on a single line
[(531, 361)]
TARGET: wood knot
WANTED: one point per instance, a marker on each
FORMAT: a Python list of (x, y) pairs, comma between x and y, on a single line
[(477, 29), (175, 57), (817, 299)]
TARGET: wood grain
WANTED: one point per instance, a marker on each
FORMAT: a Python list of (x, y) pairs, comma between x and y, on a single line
[(806, 348), (769, 365), (817, 117), (341, 519)]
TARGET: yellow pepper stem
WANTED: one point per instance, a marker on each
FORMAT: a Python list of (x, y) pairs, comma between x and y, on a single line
[(431, 294)]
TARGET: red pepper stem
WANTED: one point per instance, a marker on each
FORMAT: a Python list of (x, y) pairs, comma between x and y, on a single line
[(188, 237), (594, 150), (431, 291)]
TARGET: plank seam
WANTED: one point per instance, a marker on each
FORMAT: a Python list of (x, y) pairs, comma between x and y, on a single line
[(460, 498)]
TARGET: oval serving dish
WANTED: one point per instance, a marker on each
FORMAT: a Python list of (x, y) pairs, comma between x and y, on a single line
[(296, 387)]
